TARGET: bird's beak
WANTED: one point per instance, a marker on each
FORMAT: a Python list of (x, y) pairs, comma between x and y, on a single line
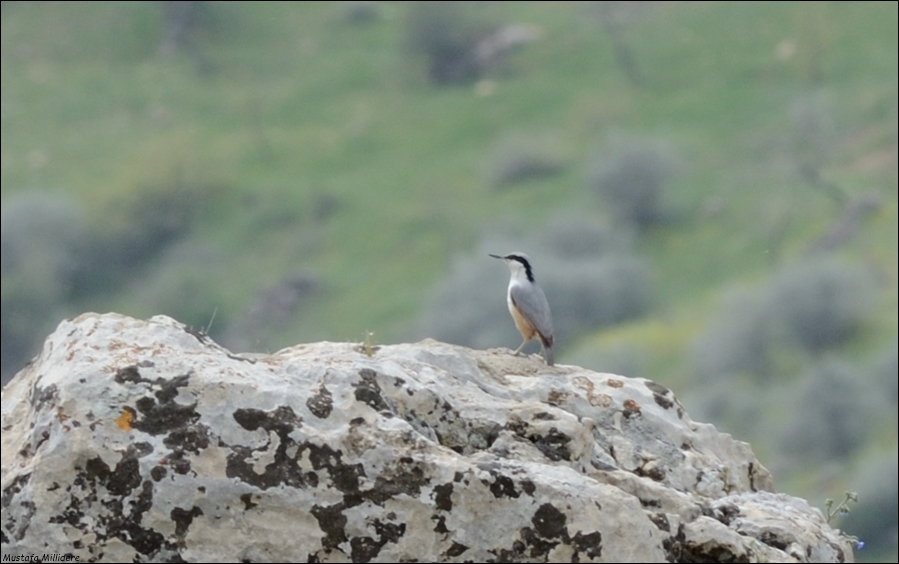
[(497, 256)]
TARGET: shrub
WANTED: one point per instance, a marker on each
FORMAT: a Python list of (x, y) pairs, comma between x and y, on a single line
[(137, 229), (874, 518), (522, 157), (572, 235), (738, 340), (40, 232), (185, 284), (39, 236), (631, 178), (446, 37), (598, 292), (830, 415), (820, 303), (885, 372), (814, 305)]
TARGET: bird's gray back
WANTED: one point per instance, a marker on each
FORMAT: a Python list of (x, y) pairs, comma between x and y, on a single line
[(531, 302)]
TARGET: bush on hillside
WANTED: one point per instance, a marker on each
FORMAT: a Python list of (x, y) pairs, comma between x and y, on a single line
[(738, 341), (631, 179), (137, 229), (885, 372), (39, 237), (815, 305), (875, 517), (522, 157), (820, 303), (183, 284), (445, 36), (830, 414)]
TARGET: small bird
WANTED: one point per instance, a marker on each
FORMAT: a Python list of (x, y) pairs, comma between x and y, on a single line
[(528, 305)]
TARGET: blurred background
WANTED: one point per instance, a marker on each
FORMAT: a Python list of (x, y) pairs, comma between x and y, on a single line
[(708, 192)]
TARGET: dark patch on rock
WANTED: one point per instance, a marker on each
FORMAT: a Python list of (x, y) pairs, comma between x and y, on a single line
[(169, 388), (323, 456), (545, 416), (159, 418), (590, 544), (281, 420), (657, 388), (369, 392), (247, 500), (503, 486), (515, 554), (660, 520), (664, 402), (42, 396), (144, 500), (528, 487), (120, 483), (539, 547), (549, 521), (487, 433), (332, 522), (389, 532), (402, 477), (364, 549), (771, 539), (163, 415), (112, 520), (14, 487), (345, 477), (183, 519), (706, 552), (193, 438), (177, 461), (321, 403), (655, 472), (455, 550), (674, 546), (751, 472), (17, 530), (440, 527), (128, 374), (443, 497), (283, 470), (727, 513), (553, 445)]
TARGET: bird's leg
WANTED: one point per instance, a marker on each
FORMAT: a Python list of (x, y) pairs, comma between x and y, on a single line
[(521, 346)]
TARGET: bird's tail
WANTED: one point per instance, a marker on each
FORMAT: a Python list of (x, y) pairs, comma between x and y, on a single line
[(547, 352)]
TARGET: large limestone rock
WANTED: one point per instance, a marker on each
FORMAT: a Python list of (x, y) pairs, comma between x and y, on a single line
[(130, 440)]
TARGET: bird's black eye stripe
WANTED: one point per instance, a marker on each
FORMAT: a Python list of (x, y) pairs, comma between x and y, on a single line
[(525, 263)]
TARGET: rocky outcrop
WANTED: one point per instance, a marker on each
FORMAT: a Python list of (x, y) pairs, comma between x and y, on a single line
[(131, 440)]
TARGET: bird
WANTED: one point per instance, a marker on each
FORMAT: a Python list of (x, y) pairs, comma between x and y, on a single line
[(527, 304)]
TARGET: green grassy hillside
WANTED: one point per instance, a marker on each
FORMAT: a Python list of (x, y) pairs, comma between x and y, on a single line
[(282, 173)]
